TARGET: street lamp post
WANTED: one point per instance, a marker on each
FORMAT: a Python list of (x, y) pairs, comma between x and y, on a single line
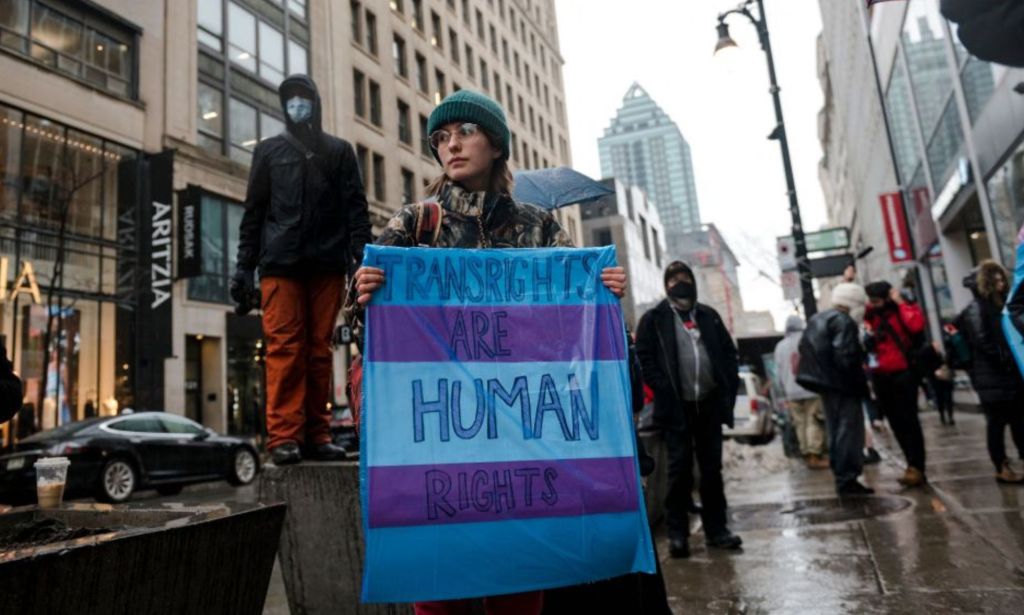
[(779, 133)]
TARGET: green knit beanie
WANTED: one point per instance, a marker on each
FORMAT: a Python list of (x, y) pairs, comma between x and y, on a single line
[(470, 106)]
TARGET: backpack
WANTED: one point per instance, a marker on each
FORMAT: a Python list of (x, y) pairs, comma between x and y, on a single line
[(428, 228), (958, 351)]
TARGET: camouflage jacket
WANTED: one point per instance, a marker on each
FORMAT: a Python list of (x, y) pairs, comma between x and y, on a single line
[(478, 220), (471, 220)]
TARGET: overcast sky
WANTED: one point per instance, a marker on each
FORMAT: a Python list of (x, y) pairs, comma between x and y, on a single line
[(722, 107)]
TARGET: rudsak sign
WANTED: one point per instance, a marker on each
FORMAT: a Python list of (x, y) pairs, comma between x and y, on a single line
[(498, 447)]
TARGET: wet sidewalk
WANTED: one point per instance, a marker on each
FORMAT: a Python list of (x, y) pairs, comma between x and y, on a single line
[(956, 546)]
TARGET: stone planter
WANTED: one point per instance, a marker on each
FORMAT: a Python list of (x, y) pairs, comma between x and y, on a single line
[(138, 559)]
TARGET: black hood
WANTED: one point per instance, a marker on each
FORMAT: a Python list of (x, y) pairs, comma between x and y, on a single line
[(300, 84), (676, 267)]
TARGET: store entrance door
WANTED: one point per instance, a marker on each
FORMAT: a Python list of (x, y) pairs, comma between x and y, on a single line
[(246, 391), (194, 378)]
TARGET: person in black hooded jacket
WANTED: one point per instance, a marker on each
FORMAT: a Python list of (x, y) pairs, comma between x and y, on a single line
[(993, 371), (689, 360), (305, 225)]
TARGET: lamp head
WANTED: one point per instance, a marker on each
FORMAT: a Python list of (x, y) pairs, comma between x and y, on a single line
[(724, 39)]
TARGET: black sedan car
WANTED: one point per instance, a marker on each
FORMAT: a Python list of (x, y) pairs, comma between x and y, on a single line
[(112, 457)]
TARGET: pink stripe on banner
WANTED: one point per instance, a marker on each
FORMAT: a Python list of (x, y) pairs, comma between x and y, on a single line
[(520, 334), (500, 491)]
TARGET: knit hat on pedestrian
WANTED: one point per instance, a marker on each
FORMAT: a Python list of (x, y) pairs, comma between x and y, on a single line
[(470, 106), (849, 295)]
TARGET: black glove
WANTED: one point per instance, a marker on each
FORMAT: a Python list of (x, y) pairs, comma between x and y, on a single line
[(243, 291)]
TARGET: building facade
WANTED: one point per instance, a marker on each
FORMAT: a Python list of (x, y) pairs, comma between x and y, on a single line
[(643, 147), (957, 137), (126, 133), (629, 221), (715, 267)]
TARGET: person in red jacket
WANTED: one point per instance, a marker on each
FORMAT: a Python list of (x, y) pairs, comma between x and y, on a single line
[(893, 329)]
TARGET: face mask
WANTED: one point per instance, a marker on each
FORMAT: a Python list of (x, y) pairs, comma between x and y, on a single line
[(683, 295), (299, 109)]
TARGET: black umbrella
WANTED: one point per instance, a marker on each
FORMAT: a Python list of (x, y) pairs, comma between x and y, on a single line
[(558, 187)]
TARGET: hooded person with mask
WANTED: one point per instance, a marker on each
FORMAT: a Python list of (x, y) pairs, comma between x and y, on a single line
[(832, 365), (304, 227), (804, 406), (690, 362)]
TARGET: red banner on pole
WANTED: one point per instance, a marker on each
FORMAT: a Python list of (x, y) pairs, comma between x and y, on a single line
[(896, 228)]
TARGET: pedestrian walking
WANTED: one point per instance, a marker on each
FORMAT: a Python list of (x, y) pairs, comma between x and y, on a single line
[(894, 330), (690, 361), (471, 140), (804, 407), (831, 364), (994, 374), (305, 224)]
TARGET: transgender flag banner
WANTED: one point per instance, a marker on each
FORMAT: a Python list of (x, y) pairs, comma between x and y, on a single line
[(498, 453), (1014, 332)]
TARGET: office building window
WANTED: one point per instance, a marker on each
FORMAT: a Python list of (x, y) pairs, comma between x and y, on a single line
[(363, 155), (421, 74), (271, 53), (494, 40), (356, 13), (603, 237), (453, 45), (404, 126), (359, 93), (505, 57), (241, 37), (425, 138), (99, 53), (436, 30), (398, 6), (298, 8), (417, 16), (398, 54), (470, 63), (408, 186), (371, 32), (442, 87), (485, 82), (238, 110), (497, 86), (379, 180), (465, 12), (480, 26), (375, 105)]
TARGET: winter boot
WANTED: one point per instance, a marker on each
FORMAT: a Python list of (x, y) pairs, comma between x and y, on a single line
[(1007, 475), (912, 478), (817, 462)]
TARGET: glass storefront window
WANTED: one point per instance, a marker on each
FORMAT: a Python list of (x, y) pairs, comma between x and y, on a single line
[(219, 220), (10, 161), (1006, 194), (940, 284), (211, 118), (945, 142), (925, 47)]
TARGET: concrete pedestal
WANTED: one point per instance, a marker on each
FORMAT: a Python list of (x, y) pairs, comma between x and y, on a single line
[(321, 551)]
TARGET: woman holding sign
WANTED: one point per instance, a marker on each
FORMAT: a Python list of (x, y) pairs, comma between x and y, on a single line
[(471, 207)]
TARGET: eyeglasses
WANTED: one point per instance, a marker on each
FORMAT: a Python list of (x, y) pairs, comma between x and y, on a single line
[(464, 131)]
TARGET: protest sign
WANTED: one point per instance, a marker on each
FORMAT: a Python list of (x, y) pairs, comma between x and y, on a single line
[(1014, 335), (498, 453)]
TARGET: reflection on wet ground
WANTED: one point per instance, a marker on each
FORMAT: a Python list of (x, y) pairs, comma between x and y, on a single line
[(957, 548)]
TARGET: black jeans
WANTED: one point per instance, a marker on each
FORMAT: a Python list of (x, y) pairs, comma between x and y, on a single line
[(897, 396), (703, 435), (943, 396), (997, 416), (844, 421)]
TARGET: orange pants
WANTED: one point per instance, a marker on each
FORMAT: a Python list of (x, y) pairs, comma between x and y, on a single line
[(298, 319), (529, 603)]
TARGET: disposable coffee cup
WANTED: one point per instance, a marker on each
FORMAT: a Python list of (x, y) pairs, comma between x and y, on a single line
[(51, 476)]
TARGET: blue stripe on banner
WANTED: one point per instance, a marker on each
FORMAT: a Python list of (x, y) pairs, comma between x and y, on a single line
[(566, 551), (464, 278), (479, 424)]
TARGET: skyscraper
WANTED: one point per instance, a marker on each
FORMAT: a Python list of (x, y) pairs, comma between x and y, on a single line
[(643, 146)]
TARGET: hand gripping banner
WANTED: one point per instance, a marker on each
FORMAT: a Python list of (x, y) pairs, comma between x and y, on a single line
[(498, 453)]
